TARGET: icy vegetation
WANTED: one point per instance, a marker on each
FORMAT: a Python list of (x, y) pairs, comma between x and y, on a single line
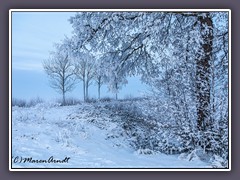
[(109, 134)]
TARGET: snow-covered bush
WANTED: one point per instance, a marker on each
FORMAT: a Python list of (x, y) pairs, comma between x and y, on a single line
[(34, 102), (63, 137), (168, 141), (145, 151), (91, 100), (19, 102), (106, 99), (69, 101), (25, 103), (218, 162), (151, 125)]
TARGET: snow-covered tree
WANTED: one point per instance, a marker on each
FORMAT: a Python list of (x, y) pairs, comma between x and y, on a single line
[(61, 70), (138, 41), (99, 74), (84, 64), (114, 76), (183, 56)]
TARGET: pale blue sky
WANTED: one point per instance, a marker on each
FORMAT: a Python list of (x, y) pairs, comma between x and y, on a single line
[(33, 36)]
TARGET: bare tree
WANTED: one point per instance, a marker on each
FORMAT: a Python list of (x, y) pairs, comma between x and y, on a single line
[(84, 71), (61, 71), (99, 74), (99, 82)]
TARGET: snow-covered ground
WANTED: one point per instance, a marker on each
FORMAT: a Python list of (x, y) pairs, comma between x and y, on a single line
[(84, 133)]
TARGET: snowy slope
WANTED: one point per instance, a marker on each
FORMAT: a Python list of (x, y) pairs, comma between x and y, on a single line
[(87, 135)]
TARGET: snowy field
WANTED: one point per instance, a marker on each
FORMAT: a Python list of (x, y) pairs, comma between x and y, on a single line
[(86, 134)]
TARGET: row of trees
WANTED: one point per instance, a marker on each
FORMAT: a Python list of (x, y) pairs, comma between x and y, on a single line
[(66, 67), (183, 56), (70, 64)]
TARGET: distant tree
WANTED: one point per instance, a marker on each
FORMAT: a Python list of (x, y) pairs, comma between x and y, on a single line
[(115, 76), (84, 70), (99, 74), (60, 70), (99, 82)]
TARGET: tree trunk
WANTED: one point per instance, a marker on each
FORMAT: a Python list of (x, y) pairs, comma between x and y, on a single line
[(63, 88), (84, 93), (116, 95), (99, 88), (87, 85), (63, 99), (203, 74)]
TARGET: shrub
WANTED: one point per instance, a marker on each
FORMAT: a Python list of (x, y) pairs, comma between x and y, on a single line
[(70, 101), (91, 100), (34, 102), (106, 99), (25, 103), (19, 102)]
